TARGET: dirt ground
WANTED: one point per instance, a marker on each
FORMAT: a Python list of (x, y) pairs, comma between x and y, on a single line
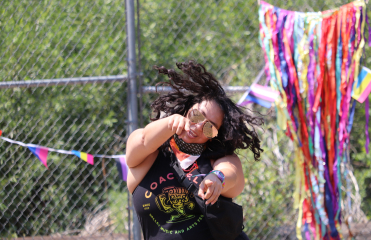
[(358, 231)]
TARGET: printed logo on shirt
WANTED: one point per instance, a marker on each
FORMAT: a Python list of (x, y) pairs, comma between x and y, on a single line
[(175, 199), (179, 231)]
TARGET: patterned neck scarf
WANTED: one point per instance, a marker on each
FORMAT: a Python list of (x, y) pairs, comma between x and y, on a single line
[(189, 148), (180, 148)]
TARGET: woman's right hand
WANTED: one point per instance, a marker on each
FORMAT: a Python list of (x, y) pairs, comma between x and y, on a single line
[(177, 123)]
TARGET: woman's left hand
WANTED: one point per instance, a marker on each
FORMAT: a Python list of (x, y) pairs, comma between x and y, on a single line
[(212, 186)]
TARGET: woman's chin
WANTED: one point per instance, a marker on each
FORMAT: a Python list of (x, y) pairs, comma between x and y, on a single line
[(186, 139)]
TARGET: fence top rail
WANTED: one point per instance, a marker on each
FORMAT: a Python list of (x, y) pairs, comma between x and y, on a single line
[(62, 81), (166, 89), (98, 79)]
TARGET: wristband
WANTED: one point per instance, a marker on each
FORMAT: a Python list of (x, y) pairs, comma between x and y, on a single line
[(220, 175)]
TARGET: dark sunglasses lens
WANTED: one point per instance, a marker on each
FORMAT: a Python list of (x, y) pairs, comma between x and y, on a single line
[(209, 130), (195, 116)]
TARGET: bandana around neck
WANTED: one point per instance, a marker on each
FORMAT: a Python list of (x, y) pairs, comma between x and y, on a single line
[(189, 148), (179, 147)]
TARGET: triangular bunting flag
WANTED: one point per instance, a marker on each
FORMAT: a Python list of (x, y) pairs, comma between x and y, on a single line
[(258, 94), (1, 132), (122, 168), (362, 87), (41, 154), (84, 156)]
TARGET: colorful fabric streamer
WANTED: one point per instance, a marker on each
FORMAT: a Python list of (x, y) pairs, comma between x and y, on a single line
[(84, 156), (362, 89), (41, 153), (312, 59), (367, 109), (122, 168), (264, 96)]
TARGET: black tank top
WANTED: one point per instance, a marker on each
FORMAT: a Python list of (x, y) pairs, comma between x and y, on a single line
[(165, 209)]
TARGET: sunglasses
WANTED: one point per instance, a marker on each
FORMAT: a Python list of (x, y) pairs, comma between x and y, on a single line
[(208, 129)]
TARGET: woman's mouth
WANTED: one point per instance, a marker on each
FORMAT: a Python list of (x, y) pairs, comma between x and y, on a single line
[(191, 134)]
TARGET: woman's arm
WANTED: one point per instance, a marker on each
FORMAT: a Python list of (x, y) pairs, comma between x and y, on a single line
[(142, 145), (234, 180), (143, 142)]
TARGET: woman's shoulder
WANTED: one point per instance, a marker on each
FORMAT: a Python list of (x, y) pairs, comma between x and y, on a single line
[(135, 134), (226, 158)]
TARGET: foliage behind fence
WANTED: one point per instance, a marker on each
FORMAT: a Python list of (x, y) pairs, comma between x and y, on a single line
[(71, 38)]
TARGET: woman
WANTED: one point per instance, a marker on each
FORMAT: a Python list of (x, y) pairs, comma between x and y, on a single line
[(203, 128)]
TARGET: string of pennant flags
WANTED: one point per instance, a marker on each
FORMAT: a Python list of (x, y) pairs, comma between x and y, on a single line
[(42, 152)]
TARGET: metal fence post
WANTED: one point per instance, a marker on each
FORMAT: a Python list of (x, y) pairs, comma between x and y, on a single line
[(132, 89)]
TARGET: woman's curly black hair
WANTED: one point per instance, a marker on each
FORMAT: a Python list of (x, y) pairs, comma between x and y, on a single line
[(195, 85)]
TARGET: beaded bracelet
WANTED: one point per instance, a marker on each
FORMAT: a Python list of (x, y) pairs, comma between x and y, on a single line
[(220, 175)]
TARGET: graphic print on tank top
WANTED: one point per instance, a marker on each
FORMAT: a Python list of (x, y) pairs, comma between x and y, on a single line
[(176, 199), (166, 210)]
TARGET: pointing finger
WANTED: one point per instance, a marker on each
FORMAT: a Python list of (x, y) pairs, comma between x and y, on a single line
[(201, 190)]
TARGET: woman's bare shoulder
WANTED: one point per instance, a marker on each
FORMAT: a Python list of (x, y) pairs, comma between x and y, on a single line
[(228, 158)]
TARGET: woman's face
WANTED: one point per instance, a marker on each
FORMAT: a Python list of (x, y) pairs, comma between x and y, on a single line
[(213, 114)]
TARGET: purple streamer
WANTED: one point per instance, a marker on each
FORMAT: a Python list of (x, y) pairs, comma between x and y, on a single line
[(276, 11), (366, 125), (124, 168), (359, 27), (306, 230), (330, 210), (336, 178), (311, 83), (330, 197), (369, 31), (336, 181), (280, 26), (351, 116)]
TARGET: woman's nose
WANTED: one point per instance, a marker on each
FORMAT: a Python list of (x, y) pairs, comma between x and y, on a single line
[(200, 125)]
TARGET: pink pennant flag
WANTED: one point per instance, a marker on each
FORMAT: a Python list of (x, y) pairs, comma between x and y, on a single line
[(41, 153)]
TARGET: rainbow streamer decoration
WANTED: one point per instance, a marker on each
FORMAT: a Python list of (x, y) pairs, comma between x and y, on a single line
[(84, 156), (312, 59), (122, 167), (264, 96), (362, 89), (41, 153)]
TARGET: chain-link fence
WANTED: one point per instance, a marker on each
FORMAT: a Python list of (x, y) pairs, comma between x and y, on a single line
[(56, 40), (64, 39)]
